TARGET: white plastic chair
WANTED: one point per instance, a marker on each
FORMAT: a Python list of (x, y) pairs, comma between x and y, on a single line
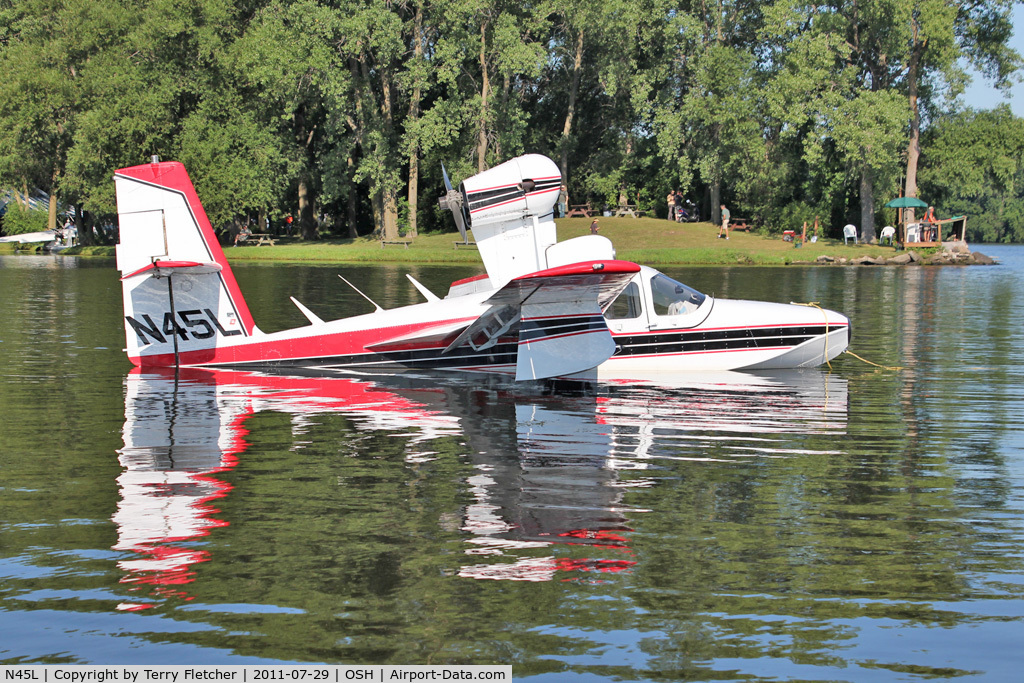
[(888, 233), (914, 232), (850, 231)]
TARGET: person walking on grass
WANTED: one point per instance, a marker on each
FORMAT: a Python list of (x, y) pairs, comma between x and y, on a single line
[(724, 230)]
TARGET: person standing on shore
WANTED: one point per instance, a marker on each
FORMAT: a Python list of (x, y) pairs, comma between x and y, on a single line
[(724, 230)]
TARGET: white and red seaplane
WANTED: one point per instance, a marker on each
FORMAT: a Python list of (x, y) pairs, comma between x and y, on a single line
[(543, 309)]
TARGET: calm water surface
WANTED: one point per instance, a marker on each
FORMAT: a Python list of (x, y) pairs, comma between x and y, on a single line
[(856, 524)]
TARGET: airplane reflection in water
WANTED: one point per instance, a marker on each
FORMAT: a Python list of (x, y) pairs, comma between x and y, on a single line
[(547, 465)]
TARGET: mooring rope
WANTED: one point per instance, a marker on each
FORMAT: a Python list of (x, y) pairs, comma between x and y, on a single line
[(815, 304), (892, 368)]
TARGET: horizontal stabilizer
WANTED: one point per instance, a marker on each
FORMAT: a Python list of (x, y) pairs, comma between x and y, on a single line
[(166, 268)]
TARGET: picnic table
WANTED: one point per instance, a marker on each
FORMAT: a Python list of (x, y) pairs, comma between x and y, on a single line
[(739, 224), (404, 243), (460, 243), (583, 210), (256, 238), (628, 210)]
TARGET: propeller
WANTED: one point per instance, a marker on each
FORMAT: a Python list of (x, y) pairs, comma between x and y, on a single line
[(452, 200)]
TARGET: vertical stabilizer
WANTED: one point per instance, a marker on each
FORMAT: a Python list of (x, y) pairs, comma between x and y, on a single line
[(181, 299)]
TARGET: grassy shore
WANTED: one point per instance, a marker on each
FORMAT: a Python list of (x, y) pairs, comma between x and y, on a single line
[(644, 240)]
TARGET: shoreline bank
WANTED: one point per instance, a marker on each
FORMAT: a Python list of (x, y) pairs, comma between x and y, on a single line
[(650, 241)]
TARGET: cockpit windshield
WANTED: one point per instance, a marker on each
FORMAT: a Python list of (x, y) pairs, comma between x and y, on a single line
[(674, 298)]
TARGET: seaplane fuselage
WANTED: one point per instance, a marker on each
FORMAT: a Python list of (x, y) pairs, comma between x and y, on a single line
[(543, 309)]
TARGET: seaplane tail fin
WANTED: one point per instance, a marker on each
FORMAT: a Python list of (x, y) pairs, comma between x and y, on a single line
[(181, 300)]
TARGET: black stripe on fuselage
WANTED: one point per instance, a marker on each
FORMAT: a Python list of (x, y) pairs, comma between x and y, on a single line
[(481, 200), (485, 198), (697, 341), (502, 353), (539, 328)]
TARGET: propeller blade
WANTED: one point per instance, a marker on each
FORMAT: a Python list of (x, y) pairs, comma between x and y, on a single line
[(460, 223), (453, 201), (447, 182)]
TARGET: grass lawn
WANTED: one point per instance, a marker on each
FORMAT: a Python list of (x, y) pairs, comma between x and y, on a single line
[(655, 242), (649, 241)]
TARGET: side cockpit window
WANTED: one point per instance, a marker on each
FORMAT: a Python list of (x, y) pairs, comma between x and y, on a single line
[(674, 298), (627, 305)]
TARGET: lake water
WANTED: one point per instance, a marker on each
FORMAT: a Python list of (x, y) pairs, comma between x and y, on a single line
[(855, 523)]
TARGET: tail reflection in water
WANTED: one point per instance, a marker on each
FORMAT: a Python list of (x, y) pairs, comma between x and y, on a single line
[(546, 465)]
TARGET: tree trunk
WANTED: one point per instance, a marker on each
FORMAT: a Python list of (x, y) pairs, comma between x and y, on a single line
[(867, 206), (414, 115), (914, 146), (350, 215), (389, 205), (481, 145), (51, 218), (307, 222), (716, 200), (389, 193), (84, 224), (378, 214), (414, 191), (574, 87), (358, 126)]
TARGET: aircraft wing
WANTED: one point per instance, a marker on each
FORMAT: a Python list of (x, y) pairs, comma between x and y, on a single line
[(30, 237), (562, 329)]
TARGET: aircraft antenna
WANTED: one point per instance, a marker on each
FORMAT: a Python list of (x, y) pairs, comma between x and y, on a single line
[(379, 309)]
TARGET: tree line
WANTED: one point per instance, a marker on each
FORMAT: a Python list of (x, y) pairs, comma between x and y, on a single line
[(342, 113)]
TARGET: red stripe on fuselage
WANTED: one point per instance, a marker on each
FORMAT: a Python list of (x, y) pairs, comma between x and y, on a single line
[(467, 280), (583, 268), (310, 347)]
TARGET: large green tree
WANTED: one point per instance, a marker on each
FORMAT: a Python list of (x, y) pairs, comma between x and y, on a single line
[(786, 110), (973, 165), (41, 88), (873, 54)]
